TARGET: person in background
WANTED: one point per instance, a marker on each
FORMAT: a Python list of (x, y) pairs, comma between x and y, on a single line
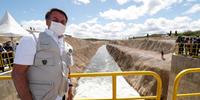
[(8, 46), (1, 48), (41, 64), (15, 46), (162, 55)]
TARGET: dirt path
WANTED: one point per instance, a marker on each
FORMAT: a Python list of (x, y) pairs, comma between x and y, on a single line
[(149, 57)]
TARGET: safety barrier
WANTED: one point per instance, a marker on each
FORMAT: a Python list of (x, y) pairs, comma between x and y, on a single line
[(5, 78), (6, 59), (125, 73), (114, 75), (177, 80), (188, 49)]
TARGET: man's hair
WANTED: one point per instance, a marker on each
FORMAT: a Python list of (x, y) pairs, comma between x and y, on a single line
[(48, 14)]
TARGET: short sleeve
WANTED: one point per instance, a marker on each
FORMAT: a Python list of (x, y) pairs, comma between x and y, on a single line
[(25, 51)]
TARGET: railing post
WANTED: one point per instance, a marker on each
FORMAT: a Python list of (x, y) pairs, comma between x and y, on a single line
[(177, 81), (159, 86), (114, 87)]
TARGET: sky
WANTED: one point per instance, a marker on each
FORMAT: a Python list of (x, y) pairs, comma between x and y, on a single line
[(109, 19)]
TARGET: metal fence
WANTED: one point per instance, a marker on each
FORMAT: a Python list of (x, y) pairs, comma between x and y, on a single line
[(6, 60), (188, 49), (114, 75), (126, 73), (177, 81)]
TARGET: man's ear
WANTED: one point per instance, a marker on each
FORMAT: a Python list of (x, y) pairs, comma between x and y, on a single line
[(48, 23)]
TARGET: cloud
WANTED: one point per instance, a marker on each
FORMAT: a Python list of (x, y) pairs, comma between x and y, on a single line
[(194, 9), (114, 26), (166, 24), (79, 2), (121, 2), (93, 20), (91, 29), (161, 25), (149, 7), (195, 25), (39, 25), (118, 30), (130, 13)]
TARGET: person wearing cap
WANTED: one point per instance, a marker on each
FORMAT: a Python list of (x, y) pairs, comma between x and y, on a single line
[(41, 63)]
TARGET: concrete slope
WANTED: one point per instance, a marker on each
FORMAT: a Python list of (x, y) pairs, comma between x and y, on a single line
[(148, 44), (131, 59)]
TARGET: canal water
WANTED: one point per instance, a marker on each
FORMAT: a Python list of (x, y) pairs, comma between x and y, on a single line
[(101, 87)]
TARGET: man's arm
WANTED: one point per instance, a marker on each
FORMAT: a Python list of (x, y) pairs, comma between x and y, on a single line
[(19, 75), (70, 92)]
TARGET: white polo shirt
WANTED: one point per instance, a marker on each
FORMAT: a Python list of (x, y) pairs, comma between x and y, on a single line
[(26, 49)]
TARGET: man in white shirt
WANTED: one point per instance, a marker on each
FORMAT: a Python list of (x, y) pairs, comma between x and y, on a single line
[(27, 60)]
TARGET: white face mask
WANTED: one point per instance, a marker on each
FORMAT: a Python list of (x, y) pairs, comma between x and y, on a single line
[(57, 28)]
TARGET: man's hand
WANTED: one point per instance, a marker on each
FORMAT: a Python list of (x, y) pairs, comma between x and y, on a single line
[(70, 93)]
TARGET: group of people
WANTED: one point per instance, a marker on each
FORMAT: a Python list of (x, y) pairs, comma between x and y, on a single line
[(189, 46), (6, 54), (7, 46)]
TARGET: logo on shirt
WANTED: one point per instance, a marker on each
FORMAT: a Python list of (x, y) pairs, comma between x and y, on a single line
[(44, 62)]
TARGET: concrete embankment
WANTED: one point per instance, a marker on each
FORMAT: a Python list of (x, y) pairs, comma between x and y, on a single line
[(83, 50), (144, 55), (166, 45), (190, 83), (7, 89)]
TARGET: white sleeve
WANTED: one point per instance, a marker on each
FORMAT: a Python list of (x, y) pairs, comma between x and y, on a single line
[(25, 51)]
